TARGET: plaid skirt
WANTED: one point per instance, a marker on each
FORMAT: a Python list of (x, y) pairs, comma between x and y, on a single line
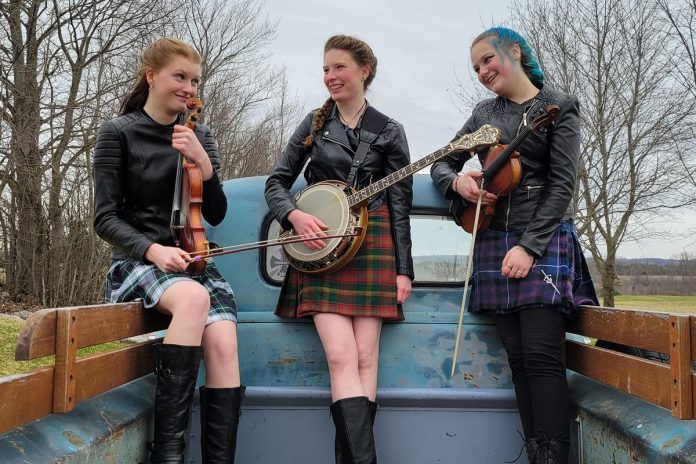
[(365, 286), (130, 279), (559, 278)]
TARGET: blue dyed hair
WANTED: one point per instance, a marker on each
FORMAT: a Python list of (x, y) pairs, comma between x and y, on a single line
[(505, 37)]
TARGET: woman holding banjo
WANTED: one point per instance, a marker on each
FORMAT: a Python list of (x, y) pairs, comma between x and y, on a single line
[(348, 140)]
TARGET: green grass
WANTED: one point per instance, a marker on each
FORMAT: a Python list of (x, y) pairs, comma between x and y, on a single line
[(676, 304), (9, 330)]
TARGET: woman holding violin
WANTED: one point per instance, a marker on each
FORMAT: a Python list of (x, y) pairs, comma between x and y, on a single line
[(136, 160), (528, 268)]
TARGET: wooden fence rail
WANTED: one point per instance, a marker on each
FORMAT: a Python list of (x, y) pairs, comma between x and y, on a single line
[(672, 386), (61, 331)]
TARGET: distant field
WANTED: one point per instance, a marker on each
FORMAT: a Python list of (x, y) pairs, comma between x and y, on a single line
[(678, 304)]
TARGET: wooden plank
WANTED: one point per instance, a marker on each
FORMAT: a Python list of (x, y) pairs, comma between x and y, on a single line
[(640, 377), (693, 339), (641, 329), (97, 324), (680, 365), (25, 397), (66, 357), (101, 372), (693, 391)]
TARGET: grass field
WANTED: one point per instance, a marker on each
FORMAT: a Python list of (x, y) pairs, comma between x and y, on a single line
[(9, 329), (676, 304)]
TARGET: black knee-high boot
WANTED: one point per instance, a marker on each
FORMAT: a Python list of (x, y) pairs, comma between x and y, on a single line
[(341, 455), (176, 368), (552, 452), (353, 421), (220, 410)]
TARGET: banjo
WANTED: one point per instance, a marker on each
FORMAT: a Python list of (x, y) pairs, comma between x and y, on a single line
[(344, 210)]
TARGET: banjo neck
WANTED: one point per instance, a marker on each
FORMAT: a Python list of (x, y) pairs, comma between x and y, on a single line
[(486, 135)]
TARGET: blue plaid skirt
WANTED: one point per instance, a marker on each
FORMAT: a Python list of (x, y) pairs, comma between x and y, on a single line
[(559, 278), (130, 279)]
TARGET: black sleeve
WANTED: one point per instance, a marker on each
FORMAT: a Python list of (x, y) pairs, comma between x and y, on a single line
[(214, 200), (444, 170), (400, 200), (108, 196), (564, 152), (284, 173)]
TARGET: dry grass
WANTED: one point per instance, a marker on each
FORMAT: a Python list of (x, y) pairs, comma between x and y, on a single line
[(674, 304)]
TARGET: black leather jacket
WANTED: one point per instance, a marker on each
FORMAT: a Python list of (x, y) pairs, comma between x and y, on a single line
[(134, 176), (549, 166), (330, 158)]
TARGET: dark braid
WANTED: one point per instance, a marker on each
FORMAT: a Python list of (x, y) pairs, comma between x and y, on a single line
[(318, 121), (363, 55)]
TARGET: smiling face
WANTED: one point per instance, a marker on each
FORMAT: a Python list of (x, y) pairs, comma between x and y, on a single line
[(172, 85), (497, 70), (343, 77)]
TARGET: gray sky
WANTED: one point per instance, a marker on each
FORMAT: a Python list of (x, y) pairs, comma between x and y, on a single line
[(422, 49)]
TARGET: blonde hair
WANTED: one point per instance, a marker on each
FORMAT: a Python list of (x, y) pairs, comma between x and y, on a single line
[(155, 57)]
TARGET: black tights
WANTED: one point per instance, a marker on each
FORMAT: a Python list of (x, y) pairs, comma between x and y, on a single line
[(533, 339)]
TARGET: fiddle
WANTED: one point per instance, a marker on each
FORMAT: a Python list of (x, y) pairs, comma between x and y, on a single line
[(502, 172), (187, 215)]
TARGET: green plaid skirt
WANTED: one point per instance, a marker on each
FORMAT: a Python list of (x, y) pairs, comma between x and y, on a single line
[(130, 279), (365, 286)]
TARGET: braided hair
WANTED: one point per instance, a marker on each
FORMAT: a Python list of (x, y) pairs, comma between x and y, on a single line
[(363, 55), (503, 36)]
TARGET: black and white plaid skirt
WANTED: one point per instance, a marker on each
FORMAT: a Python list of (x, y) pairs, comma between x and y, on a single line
[(130, 279)]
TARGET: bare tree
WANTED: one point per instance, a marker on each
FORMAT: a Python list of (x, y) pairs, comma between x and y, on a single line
[(616, 56), (62, 73)]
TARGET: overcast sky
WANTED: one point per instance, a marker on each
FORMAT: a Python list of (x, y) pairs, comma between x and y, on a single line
[(422, 49)]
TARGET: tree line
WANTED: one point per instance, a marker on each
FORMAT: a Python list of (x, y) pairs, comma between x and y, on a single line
[(65, 66)]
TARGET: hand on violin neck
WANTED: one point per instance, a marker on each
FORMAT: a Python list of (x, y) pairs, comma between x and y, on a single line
[(309, 226), (166, 258), (467, 186), (184, 140)]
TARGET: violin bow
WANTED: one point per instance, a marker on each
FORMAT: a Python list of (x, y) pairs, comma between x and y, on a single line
[(466, 278)]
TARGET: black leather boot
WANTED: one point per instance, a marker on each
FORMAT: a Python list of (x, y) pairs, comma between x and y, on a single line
[(341, 455), (552, 452), (176, 368), (353, 422), (220, 411)]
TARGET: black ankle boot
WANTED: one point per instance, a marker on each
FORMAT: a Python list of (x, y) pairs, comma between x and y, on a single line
[(353, 423), (176, 368), (552, 452), (220, 410), (341, 455)]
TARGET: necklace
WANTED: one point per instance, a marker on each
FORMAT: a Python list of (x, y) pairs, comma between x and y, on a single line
[(345, 121)]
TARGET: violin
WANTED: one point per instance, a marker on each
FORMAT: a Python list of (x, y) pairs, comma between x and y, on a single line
[(187, 214), (502, 172)]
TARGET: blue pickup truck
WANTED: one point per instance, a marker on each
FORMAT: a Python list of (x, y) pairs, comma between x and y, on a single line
[(425, 415)]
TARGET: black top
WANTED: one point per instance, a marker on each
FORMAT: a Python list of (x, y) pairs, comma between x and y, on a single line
[(330, 158), (134, 174), (549, 159)]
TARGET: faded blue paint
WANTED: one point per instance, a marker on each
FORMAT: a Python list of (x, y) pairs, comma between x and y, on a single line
[(623, 429), (424, 417)]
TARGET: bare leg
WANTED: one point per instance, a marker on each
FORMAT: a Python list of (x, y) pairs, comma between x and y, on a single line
[(367, 331), (338, 339), (220, 355), (188, 304)]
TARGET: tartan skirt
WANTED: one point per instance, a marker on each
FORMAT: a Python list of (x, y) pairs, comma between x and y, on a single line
[(365, 286), (130, 279), (559, 278)]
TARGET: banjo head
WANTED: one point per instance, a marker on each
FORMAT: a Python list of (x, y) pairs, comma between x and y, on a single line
[(328, 202)]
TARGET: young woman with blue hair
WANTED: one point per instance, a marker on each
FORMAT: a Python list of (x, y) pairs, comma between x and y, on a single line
[(528, 268)]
